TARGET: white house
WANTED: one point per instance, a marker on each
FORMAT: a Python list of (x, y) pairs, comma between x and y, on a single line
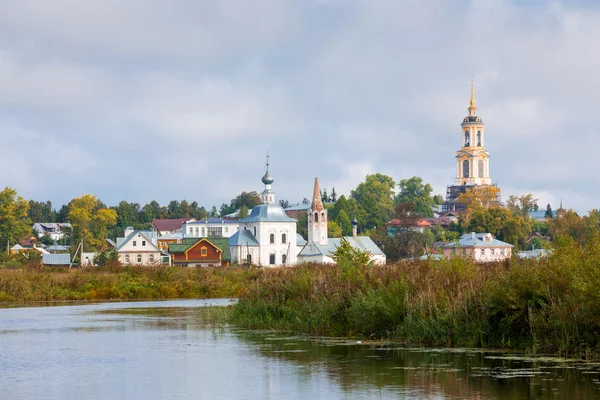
[(267, 236), (319, 248), (138, 248), (53, 229), (210, 227), (483, 247)]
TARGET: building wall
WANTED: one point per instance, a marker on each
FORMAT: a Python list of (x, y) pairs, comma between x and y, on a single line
[(147, 258), (192, 229), (194, 255), (480, 254)]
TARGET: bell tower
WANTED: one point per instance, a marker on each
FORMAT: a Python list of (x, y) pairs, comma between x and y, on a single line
[(473, 161), (317, 219)]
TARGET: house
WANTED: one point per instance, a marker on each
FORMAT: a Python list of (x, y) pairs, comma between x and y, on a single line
[(56, 259), (319, 248), (52, 229), (416, 225), (164, 226), (267, 236), (170, 238), (443, 222), (138, 248), (483, 247), (210, 227), (297, 210), (201, 252)]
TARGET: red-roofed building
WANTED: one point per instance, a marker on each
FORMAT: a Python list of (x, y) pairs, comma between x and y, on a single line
[(164, 226), (396, 225)]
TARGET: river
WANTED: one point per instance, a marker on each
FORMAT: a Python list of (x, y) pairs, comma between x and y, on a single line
[(165, 350)]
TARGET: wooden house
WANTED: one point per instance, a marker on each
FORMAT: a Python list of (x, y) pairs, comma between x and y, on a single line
[(201, 252)]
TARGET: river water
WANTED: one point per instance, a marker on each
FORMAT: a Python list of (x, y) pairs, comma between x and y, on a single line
[(165, 350)]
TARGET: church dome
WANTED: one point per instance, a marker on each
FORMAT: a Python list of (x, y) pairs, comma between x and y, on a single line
[(267, 179)]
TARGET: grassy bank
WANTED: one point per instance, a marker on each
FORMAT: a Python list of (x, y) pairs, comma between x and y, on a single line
[(549, 306), (34, 284)]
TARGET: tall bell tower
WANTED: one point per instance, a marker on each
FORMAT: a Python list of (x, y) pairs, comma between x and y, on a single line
[(473, 160)]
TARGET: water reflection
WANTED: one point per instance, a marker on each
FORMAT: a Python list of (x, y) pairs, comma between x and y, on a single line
[(174, 350)]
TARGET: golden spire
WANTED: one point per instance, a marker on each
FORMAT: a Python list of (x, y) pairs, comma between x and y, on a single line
[(472, 103)]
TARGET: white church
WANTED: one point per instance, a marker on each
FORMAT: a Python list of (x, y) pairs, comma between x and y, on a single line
[(268, 237)]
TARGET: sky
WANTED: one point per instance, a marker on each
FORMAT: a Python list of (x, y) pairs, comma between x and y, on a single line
[(144, 100)]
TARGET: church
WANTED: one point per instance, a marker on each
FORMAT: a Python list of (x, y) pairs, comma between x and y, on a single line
[(267, 237), (472, 160), (319, 248)]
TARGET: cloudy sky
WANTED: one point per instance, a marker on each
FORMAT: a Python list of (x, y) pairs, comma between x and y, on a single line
[(145, 100)]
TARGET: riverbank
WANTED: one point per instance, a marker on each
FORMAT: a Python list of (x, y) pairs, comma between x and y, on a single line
[(31, 284), (545, 306)]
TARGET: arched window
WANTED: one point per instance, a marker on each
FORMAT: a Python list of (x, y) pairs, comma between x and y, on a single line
[(272, 259), (480, 168), (283, 258), (316, 217), (322, 217), (466, 169), (479, 138), (151, 258), (272, 238), (127, 258), (139, 258), (283, 238), (467, 139)]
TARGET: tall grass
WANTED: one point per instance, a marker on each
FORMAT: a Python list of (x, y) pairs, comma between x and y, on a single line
[(547, 306)]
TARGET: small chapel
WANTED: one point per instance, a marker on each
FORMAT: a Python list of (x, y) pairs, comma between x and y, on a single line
[(319, 248), (267, 237), (472, 160)]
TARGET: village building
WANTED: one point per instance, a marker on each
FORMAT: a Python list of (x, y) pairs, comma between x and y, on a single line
[(267, 236), (138, 248), (482, 247), (164, 226), (319, 248), (210, 227), (201, 252), (53, 229)]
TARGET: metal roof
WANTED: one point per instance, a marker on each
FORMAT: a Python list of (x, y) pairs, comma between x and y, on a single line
[(56, 259), (363, 243), (478, 240), (267, 213), (150, 236), (211, 220), (243, 237)]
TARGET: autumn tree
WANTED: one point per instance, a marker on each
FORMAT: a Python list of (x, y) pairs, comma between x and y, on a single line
[(414, 190), (14, 221), (91, 221), (479, 196), (501, 223)]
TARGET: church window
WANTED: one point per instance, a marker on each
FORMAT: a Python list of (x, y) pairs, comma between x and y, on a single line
[(272, 238), (316, 217), (139, 258), (479, 138), (272, 259), (480, 168), (283, 238), (467, 139), (151, 258), (127, 258), (466, 169), (323, 217), (283, 258)]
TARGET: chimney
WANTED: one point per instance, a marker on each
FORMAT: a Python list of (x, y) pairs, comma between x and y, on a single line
[(128, 231), (354, 228)]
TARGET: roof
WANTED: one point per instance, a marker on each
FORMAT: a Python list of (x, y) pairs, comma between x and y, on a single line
[(478, 240), (439, 220), (44, 227), (57, 247), (148, 235), (364, 243), (267, 213), (298, 207), (317, 203), (300, 241), (169, 225), (171, 236), (536, 253), (422, 222), (212, 220), (187, 243), (243, 237), (541, 214)]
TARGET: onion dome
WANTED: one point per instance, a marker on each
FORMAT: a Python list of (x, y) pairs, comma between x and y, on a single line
[(354, 222), (267, 179)]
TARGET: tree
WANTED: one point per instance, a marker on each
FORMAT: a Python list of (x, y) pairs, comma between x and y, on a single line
[(305, 201), (91, 221), (479, 196), (14, 221), (213, 211), (349, 258), (568, 225), (150, 211), (63, 214), (324, 196), (333, 229), (375, 200), (284, 203), (333, 196), (501, 223), (243, 212), (41, 211), (438, 199), (344, 222), (414, 191), (549, 214), (521, 205)]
